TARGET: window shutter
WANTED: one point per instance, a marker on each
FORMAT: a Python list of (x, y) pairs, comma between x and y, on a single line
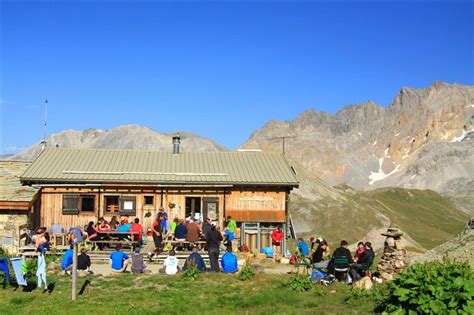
[(70, 204), (128, 206)]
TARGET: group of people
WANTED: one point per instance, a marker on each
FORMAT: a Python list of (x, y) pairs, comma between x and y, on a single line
[(321, 259)]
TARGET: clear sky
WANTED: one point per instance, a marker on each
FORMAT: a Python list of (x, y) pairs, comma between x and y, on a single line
[(220, 70)]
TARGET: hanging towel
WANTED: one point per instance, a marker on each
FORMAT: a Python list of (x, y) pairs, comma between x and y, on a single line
[(17, 264)]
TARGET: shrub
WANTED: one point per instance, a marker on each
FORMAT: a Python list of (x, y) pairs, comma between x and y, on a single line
[(434, 288), (300, 283), (192, 272), (247, 273)]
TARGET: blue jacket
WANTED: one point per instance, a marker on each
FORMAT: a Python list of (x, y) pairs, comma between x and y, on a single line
[(67, 259), (229, 263), (198, 262)]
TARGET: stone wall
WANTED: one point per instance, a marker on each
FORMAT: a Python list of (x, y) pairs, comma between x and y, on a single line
[(10, 225)]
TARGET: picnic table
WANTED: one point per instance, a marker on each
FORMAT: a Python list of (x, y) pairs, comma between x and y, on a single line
[(116, 237)]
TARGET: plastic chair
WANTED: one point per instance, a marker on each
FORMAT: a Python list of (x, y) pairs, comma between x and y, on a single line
[(341, 267)]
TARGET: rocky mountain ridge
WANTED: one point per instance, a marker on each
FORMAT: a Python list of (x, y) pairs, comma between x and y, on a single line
[(422, 140)]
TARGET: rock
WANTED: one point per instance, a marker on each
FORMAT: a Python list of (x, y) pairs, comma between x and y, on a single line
[(285, 261)]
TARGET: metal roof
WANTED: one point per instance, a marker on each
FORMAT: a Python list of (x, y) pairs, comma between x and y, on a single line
[(10, 185), (61, 165)]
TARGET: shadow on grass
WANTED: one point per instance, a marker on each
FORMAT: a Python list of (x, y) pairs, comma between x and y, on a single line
[(84, 286)]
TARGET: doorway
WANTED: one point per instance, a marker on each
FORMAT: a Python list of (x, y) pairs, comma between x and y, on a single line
[(193, 208)]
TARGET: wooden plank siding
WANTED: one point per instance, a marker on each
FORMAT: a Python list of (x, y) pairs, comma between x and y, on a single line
[(245, 204)]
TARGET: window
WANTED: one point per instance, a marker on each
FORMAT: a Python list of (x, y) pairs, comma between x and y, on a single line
[(73, 204), (127, 206), (70, 204), (87, 203), (149, 200), (111, 204)]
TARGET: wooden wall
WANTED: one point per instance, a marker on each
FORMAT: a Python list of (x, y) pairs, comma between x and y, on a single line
[(253, 204)]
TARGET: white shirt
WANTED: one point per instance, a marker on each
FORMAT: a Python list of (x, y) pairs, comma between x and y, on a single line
[(171, 265)]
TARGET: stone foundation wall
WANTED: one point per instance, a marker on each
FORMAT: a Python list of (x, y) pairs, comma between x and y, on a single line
[(10, 225)]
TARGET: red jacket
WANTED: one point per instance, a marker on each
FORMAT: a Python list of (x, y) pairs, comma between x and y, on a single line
[(277, 236)]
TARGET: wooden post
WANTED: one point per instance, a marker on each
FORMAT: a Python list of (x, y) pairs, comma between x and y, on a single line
[(74, 272)]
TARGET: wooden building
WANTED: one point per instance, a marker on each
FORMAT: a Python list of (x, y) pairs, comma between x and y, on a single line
[(18, 204), (78, 186)]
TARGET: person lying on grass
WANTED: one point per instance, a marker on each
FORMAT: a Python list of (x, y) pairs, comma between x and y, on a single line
[(119, 260)]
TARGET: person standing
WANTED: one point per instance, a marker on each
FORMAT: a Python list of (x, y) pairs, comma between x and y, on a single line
[(277, 238), (213, 239), (157, 234)]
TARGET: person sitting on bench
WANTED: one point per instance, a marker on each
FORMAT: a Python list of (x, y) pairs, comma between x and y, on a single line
[(363, 263), (340, 252), (318, 255)]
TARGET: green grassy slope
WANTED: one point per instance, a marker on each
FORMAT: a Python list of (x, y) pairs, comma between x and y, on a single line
[(429, 218)]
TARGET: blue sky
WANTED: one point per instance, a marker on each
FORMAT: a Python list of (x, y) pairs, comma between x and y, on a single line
[(220, 70)]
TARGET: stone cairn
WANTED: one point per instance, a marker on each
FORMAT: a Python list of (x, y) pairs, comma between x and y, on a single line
[(394, 258)]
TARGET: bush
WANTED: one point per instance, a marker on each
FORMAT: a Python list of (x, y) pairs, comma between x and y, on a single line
[(434, 288), (247, 273), (192, 272), (300, 283)]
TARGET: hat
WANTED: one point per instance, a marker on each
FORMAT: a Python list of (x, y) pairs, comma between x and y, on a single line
[(137, 250)]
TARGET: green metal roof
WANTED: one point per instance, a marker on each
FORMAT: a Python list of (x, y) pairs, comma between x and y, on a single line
[(60, 165), (10, 185)]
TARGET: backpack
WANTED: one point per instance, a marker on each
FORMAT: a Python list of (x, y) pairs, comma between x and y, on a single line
[(317, 276), (244, 248)]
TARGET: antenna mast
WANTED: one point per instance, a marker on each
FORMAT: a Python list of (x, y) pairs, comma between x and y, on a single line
[(44, 142)]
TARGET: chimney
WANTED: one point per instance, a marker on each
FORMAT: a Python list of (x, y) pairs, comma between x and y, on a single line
[(176, 142)]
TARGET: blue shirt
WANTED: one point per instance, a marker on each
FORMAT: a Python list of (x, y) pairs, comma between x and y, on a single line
[(303, 248), (229, 234), (117, 259), (163, 221), (124, 227), (180, 231), (229, 263), (67, 259), (198, 262)]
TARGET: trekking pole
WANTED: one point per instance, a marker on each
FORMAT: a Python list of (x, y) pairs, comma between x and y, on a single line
[(74, 272)]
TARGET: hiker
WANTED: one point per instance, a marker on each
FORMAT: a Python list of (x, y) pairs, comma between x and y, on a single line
[(359, 251), (195, 260), (157, 234), (124, 220), (181, 231), (229, 262), (66, 263), (302, 247), (277, 238), (83, 263), (170, 265), (206, 227), (341, 251), (138, 265), (213, 240), (75, 235), (114, 223), (164, 218), (317, 258), (230, 231), (119, 260), (173, 225), (193, 232), (138, 230), (123, 228), (363, 263)]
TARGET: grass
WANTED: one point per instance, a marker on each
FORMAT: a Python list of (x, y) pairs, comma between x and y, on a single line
[(160, 294), (429, 218)]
